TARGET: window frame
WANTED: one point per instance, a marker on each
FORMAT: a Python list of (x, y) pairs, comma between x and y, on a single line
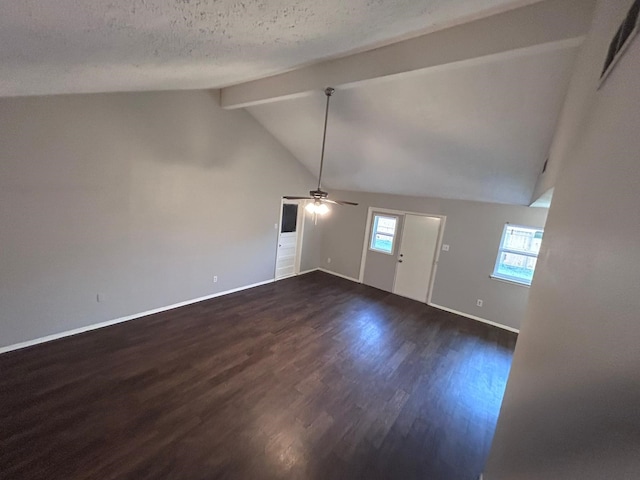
[(501, 249), (374, 231)]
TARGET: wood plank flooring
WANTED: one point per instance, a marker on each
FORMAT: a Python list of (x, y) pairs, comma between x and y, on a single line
[(313, 377)]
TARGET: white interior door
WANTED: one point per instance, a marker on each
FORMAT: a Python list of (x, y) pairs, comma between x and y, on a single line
[(288, 241), (416, 256)]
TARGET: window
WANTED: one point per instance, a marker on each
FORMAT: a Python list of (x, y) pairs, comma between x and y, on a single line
[(518, 254), (289, 217), (383, 234)]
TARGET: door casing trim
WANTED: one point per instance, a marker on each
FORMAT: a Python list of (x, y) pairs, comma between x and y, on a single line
[(363, 258)]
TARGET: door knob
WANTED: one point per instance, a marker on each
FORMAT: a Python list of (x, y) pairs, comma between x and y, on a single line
[(401, 255)]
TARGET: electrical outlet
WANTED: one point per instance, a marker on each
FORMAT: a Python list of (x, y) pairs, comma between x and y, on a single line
[(329, 260), (215, 278), (445, 248), (479, 302)]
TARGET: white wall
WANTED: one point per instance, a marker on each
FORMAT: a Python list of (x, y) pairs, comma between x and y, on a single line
[(473, 232), (139, 197), (571, 409)]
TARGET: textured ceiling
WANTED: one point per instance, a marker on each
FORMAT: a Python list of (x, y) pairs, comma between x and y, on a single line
[(74, 46), (476, 131)]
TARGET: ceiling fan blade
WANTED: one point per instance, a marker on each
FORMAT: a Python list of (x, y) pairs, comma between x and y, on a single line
[(297, 198), (337, 202)]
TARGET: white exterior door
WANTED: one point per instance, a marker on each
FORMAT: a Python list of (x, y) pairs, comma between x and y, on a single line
[(288, 241), (416, 256), (381, 260)]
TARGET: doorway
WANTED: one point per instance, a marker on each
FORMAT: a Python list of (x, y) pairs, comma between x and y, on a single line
[(400, 253), (289, 239)]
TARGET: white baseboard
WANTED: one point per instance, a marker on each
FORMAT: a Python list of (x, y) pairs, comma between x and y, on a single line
[(339, 275), (473, 317), (308, 271), (440, 307), (95, 326), (285, 277)]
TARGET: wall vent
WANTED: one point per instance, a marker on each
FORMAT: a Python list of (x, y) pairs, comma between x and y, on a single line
[(621, 40)]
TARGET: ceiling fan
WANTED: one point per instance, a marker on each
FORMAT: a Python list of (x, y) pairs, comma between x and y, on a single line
[(319, 197)]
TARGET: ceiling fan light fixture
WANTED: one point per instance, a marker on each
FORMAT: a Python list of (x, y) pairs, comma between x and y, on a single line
[(317, 208), (322, 209)]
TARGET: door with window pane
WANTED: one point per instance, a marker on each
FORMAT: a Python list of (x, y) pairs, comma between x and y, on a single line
[(288, 237), (383, 242)]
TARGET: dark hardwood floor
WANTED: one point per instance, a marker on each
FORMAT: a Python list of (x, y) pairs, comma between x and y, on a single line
[(313, 377)]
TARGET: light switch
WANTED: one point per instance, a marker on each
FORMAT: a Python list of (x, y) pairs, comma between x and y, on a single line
[(445, 247)]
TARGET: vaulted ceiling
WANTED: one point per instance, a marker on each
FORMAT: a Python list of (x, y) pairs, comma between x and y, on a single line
[(468, 112), (74, 46), (443, 98), (470, 131)]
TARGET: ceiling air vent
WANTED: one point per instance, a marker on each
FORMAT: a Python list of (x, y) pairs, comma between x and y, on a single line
[(628, 29)]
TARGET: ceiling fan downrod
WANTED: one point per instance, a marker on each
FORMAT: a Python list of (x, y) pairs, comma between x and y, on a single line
[(328, 92), (319, 197)]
